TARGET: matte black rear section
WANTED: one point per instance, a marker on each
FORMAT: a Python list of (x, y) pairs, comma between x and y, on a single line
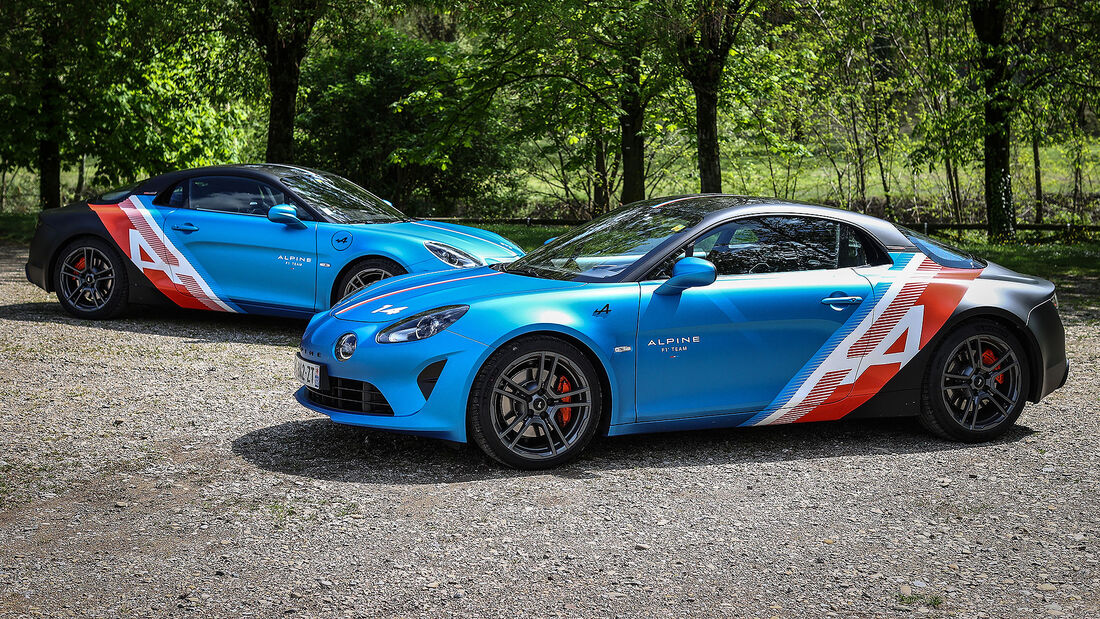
[(1050, 334), (1022, 303), (57, 227)]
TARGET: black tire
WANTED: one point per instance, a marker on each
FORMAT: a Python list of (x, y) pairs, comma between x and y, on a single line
[(527, 421), (368, 271), (90, 279), (976, 384)]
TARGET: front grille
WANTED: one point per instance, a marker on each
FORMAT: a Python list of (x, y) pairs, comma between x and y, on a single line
[(352, 396)]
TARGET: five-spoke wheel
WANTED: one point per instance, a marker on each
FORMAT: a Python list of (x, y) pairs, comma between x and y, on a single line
[(90, 279), (976, 384), (535, 403)]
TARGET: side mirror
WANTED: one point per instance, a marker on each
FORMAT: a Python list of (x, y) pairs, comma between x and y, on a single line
[(687, 273), (549, 240), (285, 214)]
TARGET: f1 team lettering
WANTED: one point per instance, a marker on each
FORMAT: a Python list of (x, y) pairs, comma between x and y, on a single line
[(137, 233), (907, 313)]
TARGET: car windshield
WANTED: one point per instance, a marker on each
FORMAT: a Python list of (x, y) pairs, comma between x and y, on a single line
[(341, 200), (607, 246)]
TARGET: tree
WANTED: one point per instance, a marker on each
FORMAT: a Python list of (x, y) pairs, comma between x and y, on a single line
[(605, 54), (282, 30), (703, 33), (356, 119), (989, 18)]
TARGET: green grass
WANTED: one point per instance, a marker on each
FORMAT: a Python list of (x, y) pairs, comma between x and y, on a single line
[(527, 237), (17, 227), (1049, 260)]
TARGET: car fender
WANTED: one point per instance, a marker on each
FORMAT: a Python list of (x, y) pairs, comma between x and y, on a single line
[(365, 243), (607, 336)]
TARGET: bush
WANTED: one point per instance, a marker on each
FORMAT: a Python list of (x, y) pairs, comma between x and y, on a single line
[(372, 109)]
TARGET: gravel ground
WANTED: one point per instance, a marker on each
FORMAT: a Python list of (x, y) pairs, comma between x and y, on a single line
[(157, 465)]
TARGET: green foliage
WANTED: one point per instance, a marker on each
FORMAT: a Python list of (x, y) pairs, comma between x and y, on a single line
[(17, 227), (372, 108)]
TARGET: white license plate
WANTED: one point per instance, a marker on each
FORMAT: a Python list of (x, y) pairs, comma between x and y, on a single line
[(308, 373)]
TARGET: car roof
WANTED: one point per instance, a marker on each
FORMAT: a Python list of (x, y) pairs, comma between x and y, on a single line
[(265, 171), (716, 208)]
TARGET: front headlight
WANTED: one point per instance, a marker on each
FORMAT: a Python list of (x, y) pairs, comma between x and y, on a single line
[(345, 346), (452, 255), (422, 326)]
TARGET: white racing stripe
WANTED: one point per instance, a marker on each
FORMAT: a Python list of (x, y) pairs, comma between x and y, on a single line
[(179, 270)]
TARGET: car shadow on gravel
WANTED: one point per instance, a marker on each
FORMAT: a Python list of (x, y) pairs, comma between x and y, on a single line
[(196, 325), (320, 449)]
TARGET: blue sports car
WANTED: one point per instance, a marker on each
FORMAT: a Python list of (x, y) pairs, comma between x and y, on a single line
[(686, 313), (267, 239)]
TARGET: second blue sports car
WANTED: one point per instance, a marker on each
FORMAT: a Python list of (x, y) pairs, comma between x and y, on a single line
[(267, 239), (686, 313)]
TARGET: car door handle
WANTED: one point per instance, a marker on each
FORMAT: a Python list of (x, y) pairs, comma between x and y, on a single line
[(185, 227), (842, 300)]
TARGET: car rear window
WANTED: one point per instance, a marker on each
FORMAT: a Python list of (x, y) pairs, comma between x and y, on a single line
[(942, 253), (117, 195)]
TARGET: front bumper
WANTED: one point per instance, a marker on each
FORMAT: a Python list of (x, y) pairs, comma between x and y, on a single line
[(393, 370)]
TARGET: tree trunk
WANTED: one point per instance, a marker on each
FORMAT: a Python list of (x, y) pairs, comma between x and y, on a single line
[(602, 194), (989, 18), (1038, 177), (49, 119), (631, 123), (706, 128), (80, 173), (1000, 210), (283, 71), (1079, 145)]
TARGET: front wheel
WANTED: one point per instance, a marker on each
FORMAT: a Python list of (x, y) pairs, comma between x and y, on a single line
[(363, 274), (535, 404), (977, 383)]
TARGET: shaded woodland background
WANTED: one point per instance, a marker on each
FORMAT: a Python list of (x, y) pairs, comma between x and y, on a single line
[(982, 111)]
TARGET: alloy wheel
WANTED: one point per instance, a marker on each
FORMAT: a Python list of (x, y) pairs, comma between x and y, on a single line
[(981, 382), (87, 279), (362, 279), (541, 405)]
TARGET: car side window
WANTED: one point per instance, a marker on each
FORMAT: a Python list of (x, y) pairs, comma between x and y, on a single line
[(775, 245), (233, 194), (781, 245), (173, 197), (778, 245)]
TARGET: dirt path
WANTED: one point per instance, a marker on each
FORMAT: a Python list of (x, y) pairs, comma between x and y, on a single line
[(157, 465)]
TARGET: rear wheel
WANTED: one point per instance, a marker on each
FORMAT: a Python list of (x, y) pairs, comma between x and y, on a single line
[(535, 404), (977, 383), (90, 279), (363, 274)]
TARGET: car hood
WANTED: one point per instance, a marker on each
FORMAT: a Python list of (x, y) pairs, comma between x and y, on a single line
[(489, 246), (398, 297)]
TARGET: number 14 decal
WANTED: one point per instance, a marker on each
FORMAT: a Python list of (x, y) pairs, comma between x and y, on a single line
[(389, 309)]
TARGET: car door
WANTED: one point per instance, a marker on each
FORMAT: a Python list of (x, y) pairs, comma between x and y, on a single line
[(733, 346), (255, 263)]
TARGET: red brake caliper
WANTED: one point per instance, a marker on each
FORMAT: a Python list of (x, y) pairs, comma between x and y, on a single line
[(79, 266), (564, 414), (989, 358)]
